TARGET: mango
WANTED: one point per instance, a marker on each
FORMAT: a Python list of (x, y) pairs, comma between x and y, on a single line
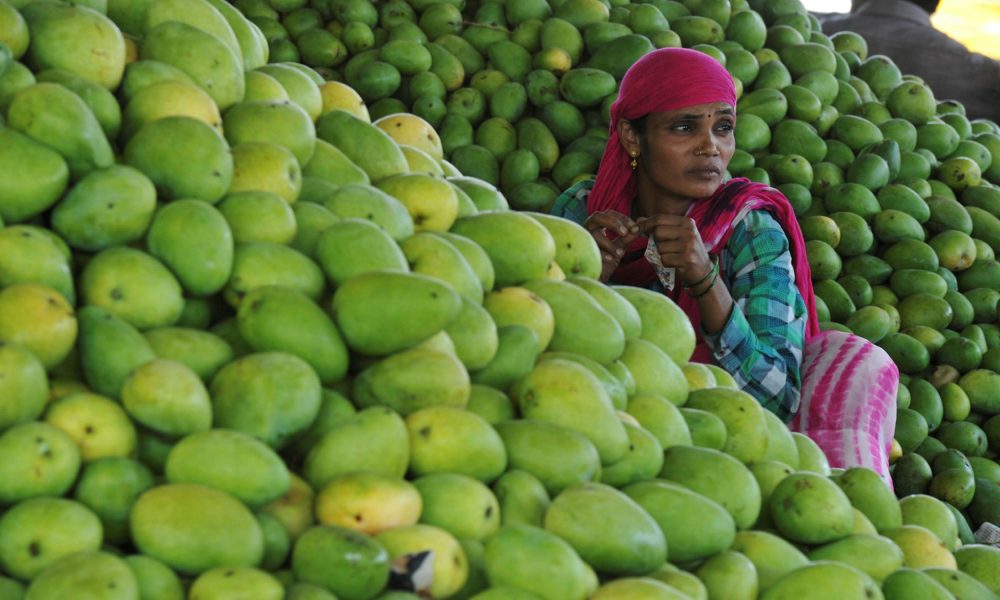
[(714, 475), (809, 508), (208, 61), (911, 583), (167, 397), (449, 574), (661, 418), (341, 560), (230, 461), (522, 497), (642, 462), (772, 556), (193, 528), (58, 118), (874, 555), (368, 502), (197, 13), (959, 583), (413, 379), (272, 318), (377, 153), (29, 254), (24, 382), (375, 440), (673, 507), (269, 395), (544, 393), (446, 439), (44, 462), (110, 349), (237, 580), (474, 334), (577, 462), (746, 426), (437, 257), (626, 540), (572, 307), (517, 350), (820, 579), (257, 264), (980, 561), (475, 517), (37, 176), (87, 575), (654, 371), (134, 286), (77, 39), (253, 46), (183, 157), (30, 547), (524, 556), (869, 494)]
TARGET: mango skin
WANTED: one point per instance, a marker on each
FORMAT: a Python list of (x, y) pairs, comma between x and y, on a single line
[(34, 176), (384, 312), (193, 528)]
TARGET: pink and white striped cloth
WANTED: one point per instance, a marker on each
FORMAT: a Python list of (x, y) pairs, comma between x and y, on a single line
[(848, 401)]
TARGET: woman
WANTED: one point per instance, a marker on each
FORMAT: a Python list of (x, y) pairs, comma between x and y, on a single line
[(735, 249), (730, 254)]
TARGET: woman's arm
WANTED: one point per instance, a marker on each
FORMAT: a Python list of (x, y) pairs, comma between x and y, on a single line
[(760, 344)]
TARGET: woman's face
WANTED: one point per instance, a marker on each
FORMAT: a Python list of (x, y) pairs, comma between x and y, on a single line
[(684, 153)]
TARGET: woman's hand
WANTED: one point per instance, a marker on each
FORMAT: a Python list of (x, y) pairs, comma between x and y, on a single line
[(680, 246), (612, 250)]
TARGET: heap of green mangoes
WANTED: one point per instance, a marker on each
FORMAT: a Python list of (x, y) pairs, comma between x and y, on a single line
[(269, 327)]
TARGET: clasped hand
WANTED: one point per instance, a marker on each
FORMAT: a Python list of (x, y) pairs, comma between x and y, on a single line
[(677, 240)]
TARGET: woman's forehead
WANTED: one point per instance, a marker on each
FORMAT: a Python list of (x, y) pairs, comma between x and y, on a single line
[(709, 109)]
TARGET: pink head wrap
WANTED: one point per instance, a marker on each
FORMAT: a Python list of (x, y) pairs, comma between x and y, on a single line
[(663, 80)]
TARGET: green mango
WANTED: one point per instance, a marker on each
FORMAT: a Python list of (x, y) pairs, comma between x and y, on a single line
[(746, 426), (270, 395), (604, 341), (522, 497), (58, 118), (411, 308), (557, 456), (869, 494), (448, 67), (706, 430), (144, 73), (256, 264), (517, 350), (663, 322), (615, 55), (230, 461), (34, 176), (134, 286), (718, 477), (544, 393), (208, 61), (91, 574), (609, 530), (809, 508), (375, 439), (614, 303), (273, 318), (910, 583), (330, 164), (874, 555), (689, 537), (202, 351), (475, 517), (167, 397), (44, 461), (576, 252), (183, 157), (108, 207), (450, 439), (654, 372), (367, 202), (154, 577), (413, 379), (980, 386), (199, 14), (110, 349), (586, 87), (824, 580), (301, 83), (99, 99), (24, 382), (960, 584), (354, 246), (520, 248), (557, 32), (489, 403), (281, 123), (772, 556), (526, 557), (642, 462), (204, 267), (696, 29), (474, 335), (77, 39), (364, 144), (534, 135), (253, 47), (237, 580), (781, 445), (169, 523), (436, 257)]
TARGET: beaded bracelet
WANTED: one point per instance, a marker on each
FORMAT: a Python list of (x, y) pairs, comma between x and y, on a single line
[(715, 266), (711, 284)]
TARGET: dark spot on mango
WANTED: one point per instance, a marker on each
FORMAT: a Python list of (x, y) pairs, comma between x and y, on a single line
[(425, 431), (34, 549)]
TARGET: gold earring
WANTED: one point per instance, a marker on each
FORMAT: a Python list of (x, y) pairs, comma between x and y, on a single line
[(634, 163)]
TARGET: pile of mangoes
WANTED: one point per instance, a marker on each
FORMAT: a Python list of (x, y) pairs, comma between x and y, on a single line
[(271, 334)]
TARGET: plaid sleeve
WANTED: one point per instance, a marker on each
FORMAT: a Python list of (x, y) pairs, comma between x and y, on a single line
[(572, 204), (761, 344)]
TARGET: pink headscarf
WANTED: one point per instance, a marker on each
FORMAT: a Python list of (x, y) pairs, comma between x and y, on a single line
[(670, 79)]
